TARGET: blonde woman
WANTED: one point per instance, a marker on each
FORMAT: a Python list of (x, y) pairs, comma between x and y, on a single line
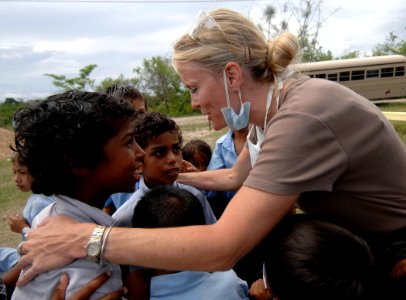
[(315, 144)]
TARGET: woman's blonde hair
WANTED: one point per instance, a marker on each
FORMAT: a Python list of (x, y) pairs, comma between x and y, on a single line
[(229, 36)]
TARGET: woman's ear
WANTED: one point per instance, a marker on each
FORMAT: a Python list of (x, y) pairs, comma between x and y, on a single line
[(234, 74)]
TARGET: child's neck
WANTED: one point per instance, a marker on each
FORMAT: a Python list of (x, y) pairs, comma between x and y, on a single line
[(153, 185)]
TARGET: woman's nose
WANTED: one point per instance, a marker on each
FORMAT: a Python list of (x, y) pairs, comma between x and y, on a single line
[(194, 102)]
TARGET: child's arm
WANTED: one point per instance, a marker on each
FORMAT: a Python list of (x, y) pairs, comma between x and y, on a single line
[(87, 290), (17, 223), (10, 279), (138, 284)]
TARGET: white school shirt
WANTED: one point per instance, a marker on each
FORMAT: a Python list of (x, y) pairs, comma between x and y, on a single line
[(81, 271), (124, 215)]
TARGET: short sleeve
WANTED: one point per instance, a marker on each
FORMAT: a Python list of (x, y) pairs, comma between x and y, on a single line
[(300, 153)]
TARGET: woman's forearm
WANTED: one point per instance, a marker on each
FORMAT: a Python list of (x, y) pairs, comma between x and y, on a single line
[(247, 219), (214, 180), (184, 242), (222, 179)]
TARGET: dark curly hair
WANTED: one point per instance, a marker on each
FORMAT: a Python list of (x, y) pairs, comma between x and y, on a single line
[(168, 206), (150, 125), (66, 130), (126, 92)]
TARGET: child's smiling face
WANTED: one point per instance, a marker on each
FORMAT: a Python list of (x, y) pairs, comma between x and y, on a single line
[(163, 159), (117, 172)]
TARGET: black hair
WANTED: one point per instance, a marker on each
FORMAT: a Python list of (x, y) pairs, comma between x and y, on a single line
[(126, 92), (168, 206), (150, 125), (312, 259), (194, 146), (66, 130)]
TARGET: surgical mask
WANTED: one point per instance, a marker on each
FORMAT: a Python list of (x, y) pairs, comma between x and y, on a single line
[(260, 136), (233, 120), (260, 133)]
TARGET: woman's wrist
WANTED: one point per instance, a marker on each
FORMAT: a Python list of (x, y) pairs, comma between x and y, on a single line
[(83, 231)]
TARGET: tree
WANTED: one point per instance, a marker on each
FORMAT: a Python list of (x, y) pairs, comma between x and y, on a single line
[(75, 83), (163, 87), (120, 80), (392, 45), (305, 15), (351, 54)]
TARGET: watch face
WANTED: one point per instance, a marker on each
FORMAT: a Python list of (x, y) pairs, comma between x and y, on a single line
[(93, 249)]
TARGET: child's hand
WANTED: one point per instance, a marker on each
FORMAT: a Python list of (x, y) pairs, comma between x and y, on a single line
[(258, 291), (87, 290), (188, 167), (400, 269), (17, 223)]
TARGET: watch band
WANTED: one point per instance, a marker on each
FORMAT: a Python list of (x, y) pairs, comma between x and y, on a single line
[(93, 247)]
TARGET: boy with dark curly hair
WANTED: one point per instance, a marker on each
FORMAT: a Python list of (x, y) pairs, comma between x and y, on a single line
[(161, 139), (79, 147)]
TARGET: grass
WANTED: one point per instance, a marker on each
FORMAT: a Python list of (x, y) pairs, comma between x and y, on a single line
[(12, 200)]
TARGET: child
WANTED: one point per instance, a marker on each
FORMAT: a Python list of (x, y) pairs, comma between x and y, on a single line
[(169, 206), (80, 147), (22, 223), (198, 153), (308, 258), (161, 140), (140, 105), (131, 94)]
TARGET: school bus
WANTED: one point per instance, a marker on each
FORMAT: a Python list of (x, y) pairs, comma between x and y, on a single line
[(376, 78)]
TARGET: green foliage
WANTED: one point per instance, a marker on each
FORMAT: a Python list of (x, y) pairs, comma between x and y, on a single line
[(74, 83), (163, 87), (7, 110), (392, 45), (120, 80), (400, 127), (351, 54)]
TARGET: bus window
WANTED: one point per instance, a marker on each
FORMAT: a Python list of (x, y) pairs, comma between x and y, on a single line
[(387, 72), (320, 75), (400, 71), (372, 73), (332, 77), (357, 75), (345, 76)]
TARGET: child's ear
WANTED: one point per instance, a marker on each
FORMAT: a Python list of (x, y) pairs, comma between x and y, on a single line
[(80, 171)]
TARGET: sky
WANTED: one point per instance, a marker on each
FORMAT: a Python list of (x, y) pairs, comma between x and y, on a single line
[(49, 37)]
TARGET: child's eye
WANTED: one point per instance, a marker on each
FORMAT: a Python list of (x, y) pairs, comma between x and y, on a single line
[(159, 153), (176, 149), (131, 141), (193, 90)]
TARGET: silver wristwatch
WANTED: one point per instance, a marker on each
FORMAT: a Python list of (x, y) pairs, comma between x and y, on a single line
[(93, 247)]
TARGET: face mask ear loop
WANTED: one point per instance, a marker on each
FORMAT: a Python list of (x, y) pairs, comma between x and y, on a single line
[(226, 88), (239, 96), (268, 104)]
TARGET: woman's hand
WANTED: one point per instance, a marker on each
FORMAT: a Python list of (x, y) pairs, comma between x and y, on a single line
[(17, 223), (87, 290), (55, 243)]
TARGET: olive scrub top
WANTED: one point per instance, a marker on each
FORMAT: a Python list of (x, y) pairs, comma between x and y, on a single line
[(338, 151)]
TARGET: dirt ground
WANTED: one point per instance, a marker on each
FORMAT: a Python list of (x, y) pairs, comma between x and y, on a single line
[(6, 139)]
